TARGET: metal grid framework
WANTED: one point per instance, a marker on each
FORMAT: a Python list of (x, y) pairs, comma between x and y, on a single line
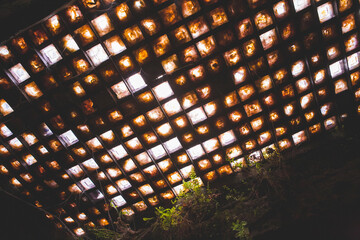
[(116, 102)]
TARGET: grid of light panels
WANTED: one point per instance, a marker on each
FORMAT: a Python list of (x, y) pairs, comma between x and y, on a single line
[(118, 101)]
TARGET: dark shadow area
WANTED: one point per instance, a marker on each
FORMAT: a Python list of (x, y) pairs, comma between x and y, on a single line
[(16, 15)]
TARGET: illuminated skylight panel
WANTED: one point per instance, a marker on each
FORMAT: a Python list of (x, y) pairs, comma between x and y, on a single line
[(211, 145), (87, 183), (136, 82), (115, 45), (173, 145), (336, 68), (51, 54), (68, 138), (163, 91), (197, 115), (120, 90), (5, 108), (301, 4), (118, 152), (5, 131), (102, 24), (19, 73), (118, 201), (97, 54), (325, 12), (157, 152), (90, 164), (172, 107), (227, 138), (196, 152)]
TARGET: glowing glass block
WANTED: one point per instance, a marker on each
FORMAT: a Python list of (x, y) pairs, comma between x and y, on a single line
[(340, 86), (123, 184), (337, 68), (325, 12), (173, 145), (330, 123), (353, 61), (102, 24), (97, 55), (211, 145), (134, 144), (5, 131), (5, 108), (90, 164), (197, 115), (114, 45), (19, 73), (301, 4), (172, 107), (118, 201), (136, 82), (196, 152), (299, 137), (29, 159), (163, 91), (298, 68), (146, 189), (227, 138), (68, 138), (51, 54), (157, 152), (120, 90), (118, 152)]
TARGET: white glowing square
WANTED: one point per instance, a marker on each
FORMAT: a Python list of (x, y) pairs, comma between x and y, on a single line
[(120, 90), (90, 164), (157, 152), (196, 152), (298, 68), (179, 189), (19, 73), (5, 108), (172, 107), (97, 55), (118, 201), (325, 12), (173, 145), (87, 184), (239, 75), (210, 108), (136, 82), (197, 115), (70, 44), (76, 170), (330, 123), (186, 171), (102, 24), (118, 152), (5, 131), (30, 160), (301, 4), (353, 61), (227, 137), (337, 68), (68, 138), (211, 145), (123, 184), (45, 130), (115, 45), (163, 91), (51, 54), (299, 137)]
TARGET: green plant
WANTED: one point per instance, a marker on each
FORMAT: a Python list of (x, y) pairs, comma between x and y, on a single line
[(241, 229)]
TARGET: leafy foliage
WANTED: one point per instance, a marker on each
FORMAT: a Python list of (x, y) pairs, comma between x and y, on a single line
[(241, 229)]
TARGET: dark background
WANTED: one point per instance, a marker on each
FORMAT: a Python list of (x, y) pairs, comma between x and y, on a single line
[(19, 14)]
